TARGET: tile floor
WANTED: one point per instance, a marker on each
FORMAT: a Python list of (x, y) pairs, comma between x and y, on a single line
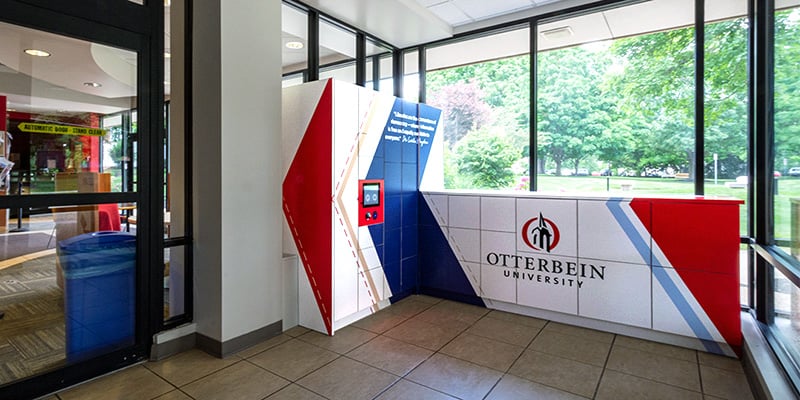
[(427, 348)]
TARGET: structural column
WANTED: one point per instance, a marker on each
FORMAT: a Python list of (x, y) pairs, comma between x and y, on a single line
[(236, 167)]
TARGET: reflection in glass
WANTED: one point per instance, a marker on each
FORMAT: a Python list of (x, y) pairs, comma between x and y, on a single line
[(67, 272), (174, 280), (337, 52), (787, 311), (787, 121), (66, 130), (68, 288), (294, 25)]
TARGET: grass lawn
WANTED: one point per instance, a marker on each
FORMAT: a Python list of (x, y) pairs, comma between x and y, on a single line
[(788, 188)]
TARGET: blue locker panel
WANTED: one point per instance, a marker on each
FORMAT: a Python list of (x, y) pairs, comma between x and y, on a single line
[(376, 168), (440, 271), (376, 231), (410, 242), (409, 178), (409, 273), (393, 277), (393, 212), (392, 246), (393, 178), (410, 203), (410, 148)]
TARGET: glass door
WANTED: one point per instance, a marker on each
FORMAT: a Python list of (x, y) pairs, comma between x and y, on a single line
[(72, 292)]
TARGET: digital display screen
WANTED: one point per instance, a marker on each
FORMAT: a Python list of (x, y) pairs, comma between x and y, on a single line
[(372, 195)]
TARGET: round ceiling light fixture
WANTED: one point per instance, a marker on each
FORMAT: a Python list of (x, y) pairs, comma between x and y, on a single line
[(37, 53), (294, 45)]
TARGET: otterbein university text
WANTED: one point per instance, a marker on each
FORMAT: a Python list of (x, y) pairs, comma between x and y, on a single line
[(548, 271)]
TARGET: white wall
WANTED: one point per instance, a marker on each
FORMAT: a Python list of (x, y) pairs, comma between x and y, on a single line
[(237, 198), (207, 199), (251, 165)]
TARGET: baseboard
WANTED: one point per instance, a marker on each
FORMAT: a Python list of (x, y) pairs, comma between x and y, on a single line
[(172, 342), (172, 347), (448, 295), (232, 346), (764, 372)]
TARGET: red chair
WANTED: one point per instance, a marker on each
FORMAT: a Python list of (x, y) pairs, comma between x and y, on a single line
[(108, 215)]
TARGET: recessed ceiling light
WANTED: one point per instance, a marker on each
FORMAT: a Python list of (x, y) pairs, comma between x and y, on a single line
[(37, 53), (167, 54), (558, 33), (92, 84), (294, 45)]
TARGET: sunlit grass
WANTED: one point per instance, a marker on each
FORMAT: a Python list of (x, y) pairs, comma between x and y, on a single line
[(788, 188)]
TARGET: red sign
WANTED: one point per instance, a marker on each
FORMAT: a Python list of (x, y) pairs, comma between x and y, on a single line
[(3, 115)]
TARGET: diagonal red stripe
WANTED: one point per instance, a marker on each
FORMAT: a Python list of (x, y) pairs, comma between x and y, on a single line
[(307, 202), (701, 240)]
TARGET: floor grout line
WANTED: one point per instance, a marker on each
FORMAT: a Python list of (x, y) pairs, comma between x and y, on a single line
[(459, 332)]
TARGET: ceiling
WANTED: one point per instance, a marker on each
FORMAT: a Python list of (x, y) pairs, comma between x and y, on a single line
[(462, 12), (60, 79), (68, 78)]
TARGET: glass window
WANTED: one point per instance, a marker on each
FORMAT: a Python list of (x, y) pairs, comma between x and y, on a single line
[(726, 100), (68, 271), (483, 88), (411, 75), (786, 313), (295, 39), (616, 100), (68, 291), (345, 72), (292, 80), (787, 121), (61, 136), (174, 281), (337, 52), (384, 56)]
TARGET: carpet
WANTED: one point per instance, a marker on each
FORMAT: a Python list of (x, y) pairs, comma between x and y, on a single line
[(20, 244), (32, 336)]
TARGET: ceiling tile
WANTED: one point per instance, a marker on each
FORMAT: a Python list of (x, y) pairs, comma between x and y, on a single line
[(584, 29), (481, 9), (721, 9), (651, 16), (428, 3), (450, 14)]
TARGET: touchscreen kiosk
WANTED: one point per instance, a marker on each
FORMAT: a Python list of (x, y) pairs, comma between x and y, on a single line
[(370, 202)]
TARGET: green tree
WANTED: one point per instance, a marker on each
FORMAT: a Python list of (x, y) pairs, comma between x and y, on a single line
[(485, 160), (463, 109), (656, 88), (787, 88), (572, 109)]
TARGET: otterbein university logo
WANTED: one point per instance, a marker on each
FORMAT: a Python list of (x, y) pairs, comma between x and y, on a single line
[(540, 234)]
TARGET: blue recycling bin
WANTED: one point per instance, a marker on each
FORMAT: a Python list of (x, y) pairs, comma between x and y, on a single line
[(99, 292)]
